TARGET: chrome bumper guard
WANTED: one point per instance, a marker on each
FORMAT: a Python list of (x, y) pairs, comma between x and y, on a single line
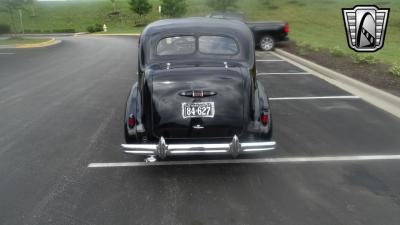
[(163, 150)]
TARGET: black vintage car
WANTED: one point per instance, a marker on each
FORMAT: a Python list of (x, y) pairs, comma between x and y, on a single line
[(197, 91)]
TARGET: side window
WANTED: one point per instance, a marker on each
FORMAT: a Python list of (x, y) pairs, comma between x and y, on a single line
[(142, 57)]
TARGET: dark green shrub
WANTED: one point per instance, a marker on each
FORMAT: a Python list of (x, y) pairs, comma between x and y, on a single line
[(273, 7), (90, 29), (296, 2), (395, 70), (95, 28), (304, 47), (336, 51), (4, 29), (364, 59), (314, 48), (113, 14), (98, 27), (301, 44), (173, 8), (140, 7)]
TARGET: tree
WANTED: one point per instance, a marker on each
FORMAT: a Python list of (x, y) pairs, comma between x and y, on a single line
[(31, 4), (140, 7), (114, 5), (222, 5), (173, 8), (11, 6)]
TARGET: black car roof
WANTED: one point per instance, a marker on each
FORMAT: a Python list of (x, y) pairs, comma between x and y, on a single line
[(197, 24), (200, 26)]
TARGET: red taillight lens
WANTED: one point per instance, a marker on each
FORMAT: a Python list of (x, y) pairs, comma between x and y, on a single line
[(131, 121), (286, 28), (264, 119)]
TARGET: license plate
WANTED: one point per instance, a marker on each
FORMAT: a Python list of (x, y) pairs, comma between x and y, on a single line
[(198, 109)]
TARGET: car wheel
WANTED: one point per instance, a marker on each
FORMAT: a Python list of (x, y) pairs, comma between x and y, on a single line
[(267, 43)]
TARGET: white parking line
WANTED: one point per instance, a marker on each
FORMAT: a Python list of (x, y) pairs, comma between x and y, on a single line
[(7, 53), (295, 73), (320, 97), (316, 159), (270, 60)]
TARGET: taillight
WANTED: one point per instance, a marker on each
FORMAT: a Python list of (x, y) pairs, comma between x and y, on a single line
[(131, 121), (264, 118), (286, 28)]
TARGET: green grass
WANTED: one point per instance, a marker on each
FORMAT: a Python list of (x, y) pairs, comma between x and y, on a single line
[(320, 24), (317, 23), (13, 41), (77, 15)]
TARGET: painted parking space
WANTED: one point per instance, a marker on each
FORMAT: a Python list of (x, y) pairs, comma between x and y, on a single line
[(283, 80), (299, 85), (312, 118), (315, 159), (264, 56), (333, 127), (270, 60), (336, 162), (315, 116), (276, 67)]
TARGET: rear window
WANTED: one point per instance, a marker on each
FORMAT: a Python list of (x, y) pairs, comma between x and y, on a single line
[(178, 45), (218, 45)]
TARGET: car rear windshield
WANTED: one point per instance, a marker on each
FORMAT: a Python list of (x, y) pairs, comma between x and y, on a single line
[(218, 45), (179, 45), (185, 45)]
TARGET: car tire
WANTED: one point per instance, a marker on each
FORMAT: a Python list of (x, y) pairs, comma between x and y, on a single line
[(267, 43)]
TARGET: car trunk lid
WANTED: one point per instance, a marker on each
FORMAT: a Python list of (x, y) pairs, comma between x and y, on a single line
[(197, 102)]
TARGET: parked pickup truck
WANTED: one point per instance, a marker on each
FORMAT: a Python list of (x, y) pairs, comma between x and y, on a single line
[(266, 33)]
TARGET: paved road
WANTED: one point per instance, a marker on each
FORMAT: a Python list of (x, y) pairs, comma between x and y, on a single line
[(61, 108)]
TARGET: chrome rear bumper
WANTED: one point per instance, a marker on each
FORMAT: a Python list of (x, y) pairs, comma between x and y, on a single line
[(163, 150)]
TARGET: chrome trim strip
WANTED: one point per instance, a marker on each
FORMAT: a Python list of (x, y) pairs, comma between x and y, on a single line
[(162, 149), (196, 151), (140, 152), (257, 144), (197, 146), (139, 146), (258, 149)]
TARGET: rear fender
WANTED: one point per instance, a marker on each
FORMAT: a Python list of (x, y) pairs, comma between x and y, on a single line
[(262, 105), (133, 108)]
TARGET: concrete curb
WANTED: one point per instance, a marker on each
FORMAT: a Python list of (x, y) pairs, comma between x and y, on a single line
[(6, 46), (50, 42), (374, 96), (80, 34), (116, 34)]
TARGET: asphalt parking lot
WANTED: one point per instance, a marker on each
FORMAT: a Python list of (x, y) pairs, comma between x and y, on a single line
[(61, 110)]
